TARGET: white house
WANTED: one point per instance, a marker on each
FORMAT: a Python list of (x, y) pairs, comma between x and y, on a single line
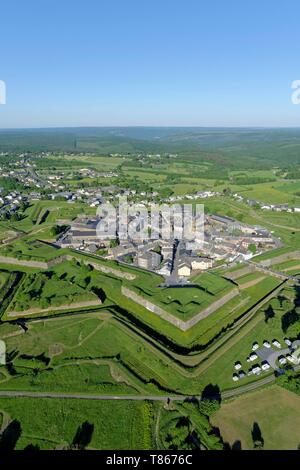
[(184, 269), (201, 263)]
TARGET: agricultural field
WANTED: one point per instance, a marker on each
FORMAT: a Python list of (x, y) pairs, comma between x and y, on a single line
[(273, 193)]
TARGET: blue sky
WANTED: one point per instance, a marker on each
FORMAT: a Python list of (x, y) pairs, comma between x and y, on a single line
[(192, 62)]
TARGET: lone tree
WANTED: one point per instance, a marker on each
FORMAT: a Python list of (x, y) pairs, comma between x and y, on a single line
[(258, 441), (10, 436), (83, 436), (269, 313)]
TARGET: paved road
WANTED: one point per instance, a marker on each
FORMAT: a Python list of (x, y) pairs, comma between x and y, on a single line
[(249, 387), (83, 396)]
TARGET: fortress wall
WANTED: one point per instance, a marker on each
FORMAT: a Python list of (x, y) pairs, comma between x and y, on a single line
[(280, 259), (183, 325)]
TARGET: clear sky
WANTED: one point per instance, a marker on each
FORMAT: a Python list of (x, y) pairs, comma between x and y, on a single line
[(149, 62)]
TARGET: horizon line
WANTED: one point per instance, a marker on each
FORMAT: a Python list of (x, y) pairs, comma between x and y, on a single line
[(146, 127)]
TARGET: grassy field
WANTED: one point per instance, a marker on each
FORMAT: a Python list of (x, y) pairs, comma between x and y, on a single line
[(288, 266), (71, 352), (275, 410), (248, 278), (111, 424), (273, 192)]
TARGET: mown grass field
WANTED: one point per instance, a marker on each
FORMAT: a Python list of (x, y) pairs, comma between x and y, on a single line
[(274, 409), (248, 278)]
